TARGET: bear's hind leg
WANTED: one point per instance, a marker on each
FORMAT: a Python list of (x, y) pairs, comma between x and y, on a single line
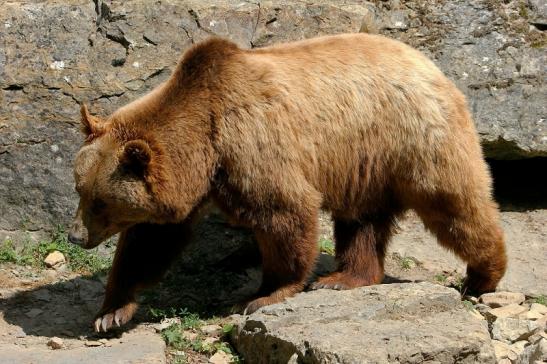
[(289, 251), (360, 252), (143, 254), (470, 228)]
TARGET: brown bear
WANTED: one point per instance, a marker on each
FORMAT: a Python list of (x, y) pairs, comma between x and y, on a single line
[(362, 126)]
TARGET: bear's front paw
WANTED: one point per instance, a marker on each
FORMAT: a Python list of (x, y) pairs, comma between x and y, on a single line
[(119, 316)]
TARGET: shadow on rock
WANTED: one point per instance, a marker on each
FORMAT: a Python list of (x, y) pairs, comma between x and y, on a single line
[(219, 268), (64, 309)]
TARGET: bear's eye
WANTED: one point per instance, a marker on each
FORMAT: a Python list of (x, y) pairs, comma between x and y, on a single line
[(98, 206)]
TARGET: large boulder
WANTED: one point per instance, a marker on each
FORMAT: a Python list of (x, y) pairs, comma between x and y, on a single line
[(56, 54), (394, 323)]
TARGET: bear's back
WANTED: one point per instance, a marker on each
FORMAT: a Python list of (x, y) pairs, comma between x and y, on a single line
[(327, 106)]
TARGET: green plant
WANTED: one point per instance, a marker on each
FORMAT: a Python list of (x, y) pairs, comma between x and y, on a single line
[(173, 337), (227, 329), (407, 263), (441, 278), (458, 283), (326, 246), (468, 305), (541, 299), (8, 253)]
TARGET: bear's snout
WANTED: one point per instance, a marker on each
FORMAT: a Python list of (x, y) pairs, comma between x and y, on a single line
[(75, 238), (78, 234)]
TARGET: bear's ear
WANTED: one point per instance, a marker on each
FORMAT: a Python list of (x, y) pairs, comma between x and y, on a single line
[(92, 126), (136, 156)]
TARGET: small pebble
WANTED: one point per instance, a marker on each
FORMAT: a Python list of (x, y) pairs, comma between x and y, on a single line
[(55, 259), (92, 343), (210, 340), (55, 343), (473, 300), (105, 342), (213, 330), (165, 323)]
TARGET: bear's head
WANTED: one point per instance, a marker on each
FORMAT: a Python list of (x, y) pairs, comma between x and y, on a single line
[(116, 176)]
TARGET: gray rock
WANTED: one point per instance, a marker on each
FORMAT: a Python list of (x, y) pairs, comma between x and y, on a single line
[(538, 12), (54, 259), (539, 308), (55, 343), (395, 323), (512, 310), (502, 350), (510, 330), (499, 299), (110, 54), (534, 353), (211, 330)]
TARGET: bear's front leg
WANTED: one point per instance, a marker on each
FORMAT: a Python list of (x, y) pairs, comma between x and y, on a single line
[(143, 255), (289, 249)]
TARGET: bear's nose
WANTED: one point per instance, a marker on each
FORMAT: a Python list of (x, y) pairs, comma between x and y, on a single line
[(76, 240)]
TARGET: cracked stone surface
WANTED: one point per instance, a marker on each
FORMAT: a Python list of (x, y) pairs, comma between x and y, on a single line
[(56, 54), (394, 323)]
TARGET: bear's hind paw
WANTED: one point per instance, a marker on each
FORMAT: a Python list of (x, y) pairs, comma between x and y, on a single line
[(342, 281)]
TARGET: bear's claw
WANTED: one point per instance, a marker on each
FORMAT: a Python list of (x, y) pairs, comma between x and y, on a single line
[(121, 316)]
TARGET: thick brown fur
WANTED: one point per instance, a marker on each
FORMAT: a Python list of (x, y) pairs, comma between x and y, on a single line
[(359, 125)]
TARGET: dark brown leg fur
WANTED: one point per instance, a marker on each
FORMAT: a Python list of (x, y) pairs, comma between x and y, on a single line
[(471, 230), (360, 252), (143, 255), (289, 248)]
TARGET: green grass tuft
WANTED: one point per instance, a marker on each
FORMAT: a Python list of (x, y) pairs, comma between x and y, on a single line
[(459, 282), (468, 305), (407, 263), (541, 299), (441, 278), (8, 254), (326, 246)]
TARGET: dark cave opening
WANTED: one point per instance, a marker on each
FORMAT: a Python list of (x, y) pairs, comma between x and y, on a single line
[(520, 184)]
